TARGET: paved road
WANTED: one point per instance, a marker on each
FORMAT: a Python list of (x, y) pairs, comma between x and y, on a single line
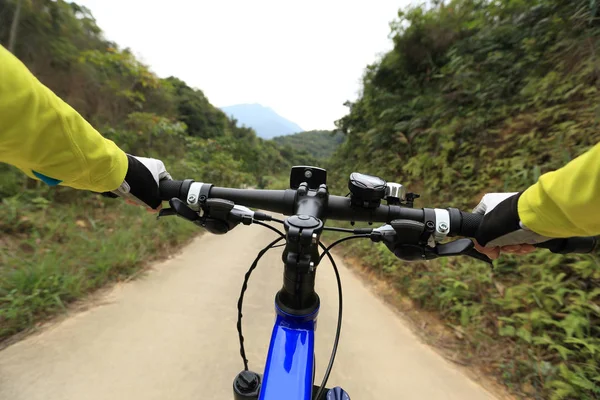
[(171, 335)]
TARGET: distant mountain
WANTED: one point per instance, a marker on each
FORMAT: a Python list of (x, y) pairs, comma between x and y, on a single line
[(266, 122)]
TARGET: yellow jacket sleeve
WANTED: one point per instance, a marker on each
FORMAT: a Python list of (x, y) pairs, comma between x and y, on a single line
[(565, 202), (42, 135)]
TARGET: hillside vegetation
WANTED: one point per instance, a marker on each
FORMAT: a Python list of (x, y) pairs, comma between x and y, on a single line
[(480, 96), (56, 243), (318, 144)]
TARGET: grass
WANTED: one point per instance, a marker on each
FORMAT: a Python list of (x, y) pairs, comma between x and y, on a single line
[(54, 253)]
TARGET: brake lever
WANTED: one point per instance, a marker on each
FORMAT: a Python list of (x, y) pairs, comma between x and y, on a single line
[(477, 255), (180, 209), (461, 247)]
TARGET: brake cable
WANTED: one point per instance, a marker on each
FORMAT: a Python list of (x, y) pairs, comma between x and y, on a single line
[(269, 227), (326, 251), (245, 286), (362, 236)]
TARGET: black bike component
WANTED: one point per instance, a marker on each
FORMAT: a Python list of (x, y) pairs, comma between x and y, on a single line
[(411, 231), (301, 258), (260, 216), (454, 248), (246, 385), (429, 221), (283, 201), (473, 253), (241, 298), (312, 176), (461, 247), (205, 192), (216, 226), (410, 252), (166, 212), (357, 231), (464, 223), (218, 208), (341, 209), (332, 245), (216, 217), (410, 199), (311, 202), (455, 221), (582, 245), (301, 255), (269, 227), (279, 201), (405, 239), (366, 191), (182, 210), (169, 189)]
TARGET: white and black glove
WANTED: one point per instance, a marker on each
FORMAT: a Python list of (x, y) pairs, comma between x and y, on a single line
[(141, 181), (501, 225)]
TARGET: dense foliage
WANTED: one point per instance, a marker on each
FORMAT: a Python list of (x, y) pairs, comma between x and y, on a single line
[(57, 244), (481, 96), (318, 144)]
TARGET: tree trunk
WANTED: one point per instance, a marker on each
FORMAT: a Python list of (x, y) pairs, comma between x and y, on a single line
[(12, 39)]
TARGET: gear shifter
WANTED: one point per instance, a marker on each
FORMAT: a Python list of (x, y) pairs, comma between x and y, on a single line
[(404, 239)]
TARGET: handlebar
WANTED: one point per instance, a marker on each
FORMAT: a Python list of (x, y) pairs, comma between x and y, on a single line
[(339, 208), (283, 201)]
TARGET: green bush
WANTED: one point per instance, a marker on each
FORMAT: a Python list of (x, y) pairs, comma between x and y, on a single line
[(475, 97)]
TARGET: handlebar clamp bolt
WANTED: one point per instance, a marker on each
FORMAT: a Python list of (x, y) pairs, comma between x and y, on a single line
[(311, 267), (191, 198), (314, 238), (443, 227)]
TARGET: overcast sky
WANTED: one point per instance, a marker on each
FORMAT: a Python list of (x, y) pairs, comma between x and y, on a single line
[(303, 59)]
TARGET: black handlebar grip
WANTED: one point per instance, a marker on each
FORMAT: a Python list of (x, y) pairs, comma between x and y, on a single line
[(464, 223), (171, 188), (470, 223), (582, 245)]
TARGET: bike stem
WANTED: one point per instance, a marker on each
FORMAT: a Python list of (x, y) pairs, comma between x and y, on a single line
[(301, 254)]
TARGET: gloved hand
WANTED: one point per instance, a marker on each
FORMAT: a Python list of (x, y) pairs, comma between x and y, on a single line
[(141, 181), (501, 225)]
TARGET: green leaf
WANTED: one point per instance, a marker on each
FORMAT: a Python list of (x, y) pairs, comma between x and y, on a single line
[(562, 350), (507, 330), (524, 334)]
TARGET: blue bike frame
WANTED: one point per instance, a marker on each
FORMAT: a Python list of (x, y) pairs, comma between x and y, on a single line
[(290, 367)]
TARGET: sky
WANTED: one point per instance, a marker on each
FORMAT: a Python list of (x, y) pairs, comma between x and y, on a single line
[(304, 59)]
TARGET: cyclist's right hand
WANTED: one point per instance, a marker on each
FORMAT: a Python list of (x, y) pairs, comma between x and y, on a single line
[(501, 228)]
